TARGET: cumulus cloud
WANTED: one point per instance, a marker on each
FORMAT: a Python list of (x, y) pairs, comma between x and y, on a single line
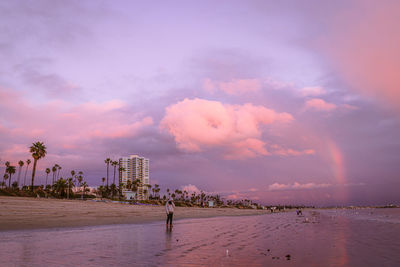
[(319, 105), (233, 87), (198, 124), (190, 189), (296, 186)]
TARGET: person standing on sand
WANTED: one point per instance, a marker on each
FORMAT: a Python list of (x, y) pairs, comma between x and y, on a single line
[(169, 209)]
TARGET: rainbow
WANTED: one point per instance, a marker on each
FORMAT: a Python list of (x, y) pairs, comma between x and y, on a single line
[(339, 171), (338, 167)]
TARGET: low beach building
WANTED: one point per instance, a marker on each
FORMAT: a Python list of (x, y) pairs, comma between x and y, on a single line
[(135, 176)]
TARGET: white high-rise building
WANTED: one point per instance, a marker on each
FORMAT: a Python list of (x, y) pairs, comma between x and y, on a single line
[(136, 168)]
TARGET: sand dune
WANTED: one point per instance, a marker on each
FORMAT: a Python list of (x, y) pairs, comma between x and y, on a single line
[(29, 213)]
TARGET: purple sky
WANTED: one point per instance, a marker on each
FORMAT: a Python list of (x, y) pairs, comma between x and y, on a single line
[(277, 101)]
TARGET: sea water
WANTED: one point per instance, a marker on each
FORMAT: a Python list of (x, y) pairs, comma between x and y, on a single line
[(367, 237)]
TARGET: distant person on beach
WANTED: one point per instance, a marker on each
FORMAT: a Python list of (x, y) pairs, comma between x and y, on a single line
[(169, 209), (299, 212)]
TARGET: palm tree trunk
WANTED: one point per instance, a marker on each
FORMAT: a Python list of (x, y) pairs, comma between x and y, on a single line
[(107, 174), (33, 172), (19, 174), (9, 181), (114, 174), (26, 171), (47, 175)]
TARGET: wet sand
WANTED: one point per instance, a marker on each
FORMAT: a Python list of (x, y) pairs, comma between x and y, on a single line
[(18, 213), (356, 238)]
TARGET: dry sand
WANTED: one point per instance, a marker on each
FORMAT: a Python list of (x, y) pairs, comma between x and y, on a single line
[(18, 213)]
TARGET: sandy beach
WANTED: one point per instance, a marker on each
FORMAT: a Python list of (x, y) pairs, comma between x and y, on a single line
[(18, 213), (332, 237)]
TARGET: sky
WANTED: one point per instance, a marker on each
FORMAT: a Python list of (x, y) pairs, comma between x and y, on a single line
[(280, 102)]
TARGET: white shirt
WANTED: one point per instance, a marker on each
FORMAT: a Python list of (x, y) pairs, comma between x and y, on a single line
[(169, 208)]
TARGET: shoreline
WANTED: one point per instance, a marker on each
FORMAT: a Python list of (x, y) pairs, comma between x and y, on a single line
[(25, 213)]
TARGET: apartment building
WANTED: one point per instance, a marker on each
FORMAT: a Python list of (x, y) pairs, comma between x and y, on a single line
[(135, 168)]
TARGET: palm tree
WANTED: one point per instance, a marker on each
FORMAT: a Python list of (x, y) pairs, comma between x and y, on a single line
[(80, 178), (47, 175), (157, 189), (107, 161), (58, 171), (28, 161), (114, 163), (148, 188), (38, 151), (70, 184), (85, 185), (7, 164), (120, 187), (5, 177), (129, 184), (120, 170), (103, 180), (10, 170), (135, 185), (177, 193), (54, 170), (21, 164), (73, 175), (113, 189), (60, 186)]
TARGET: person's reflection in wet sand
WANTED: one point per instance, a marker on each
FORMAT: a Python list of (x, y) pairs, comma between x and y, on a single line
[(168, 238)]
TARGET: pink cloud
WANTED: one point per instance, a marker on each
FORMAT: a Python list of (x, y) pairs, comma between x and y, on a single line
[(190, 189), (119, 130), (248, 148), (198, 124), (296, 186), (101, 120), (312, 91), (234, 196), (349, 107), (233, 87), (363, 44), (277, 150), (19, 150), (319, 105), (63, 125)]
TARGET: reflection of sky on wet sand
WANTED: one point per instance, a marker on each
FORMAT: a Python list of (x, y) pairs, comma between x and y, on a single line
[(318, 238)]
